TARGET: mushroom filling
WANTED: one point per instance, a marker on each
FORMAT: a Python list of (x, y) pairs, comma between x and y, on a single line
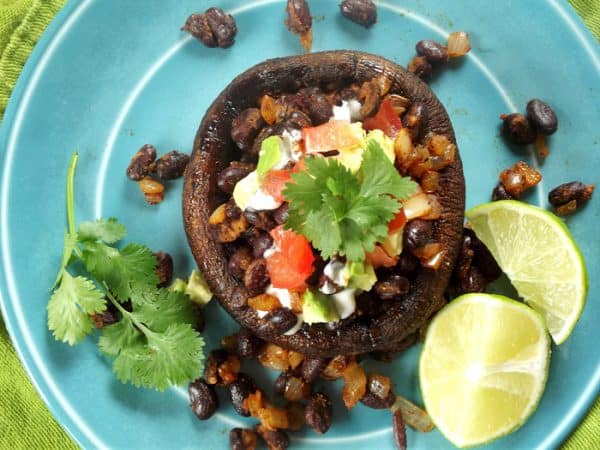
[(332, 205)]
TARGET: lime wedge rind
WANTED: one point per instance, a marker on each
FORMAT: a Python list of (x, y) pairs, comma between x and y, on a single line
[(531, 362), (538, 254)]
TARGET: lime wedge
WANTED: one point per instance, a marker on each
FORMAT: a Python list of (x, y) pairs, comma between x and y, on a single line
[(483, 367), (536, 251)]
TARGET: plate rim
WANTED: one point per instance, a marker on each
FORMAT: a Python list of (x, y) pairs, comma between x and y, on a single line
[(52, 37)]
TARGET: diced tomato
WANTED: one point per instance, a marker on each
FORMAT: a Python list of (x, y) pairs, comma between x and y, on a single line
[(379, 258), (385, 120), (397, 222), (292, 263), (333, 135), (274, 183)]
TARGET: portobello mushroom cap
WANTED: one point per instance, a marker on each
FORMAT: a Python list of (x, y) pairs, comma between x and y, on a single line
[(214, 149)]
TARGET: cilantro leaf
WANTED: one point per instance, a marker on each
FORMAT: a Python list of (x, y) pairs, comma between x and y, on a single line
[(163, 308), (161, 359), (70, 243), (345, 213), (108, 231), (126, 272), (70, 307), (118, 336)]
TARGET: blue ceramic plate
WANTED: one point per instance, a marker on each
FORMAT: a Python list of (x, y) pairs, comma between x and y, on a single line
[(110, 76)]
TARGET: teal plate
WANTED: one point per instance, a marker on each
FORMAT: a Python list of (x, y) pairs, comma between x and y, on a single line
[(110, 76)]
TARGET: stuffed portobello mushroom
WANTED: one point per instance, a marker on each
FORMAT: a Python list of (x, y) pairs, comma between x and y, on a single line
[(324, 202)]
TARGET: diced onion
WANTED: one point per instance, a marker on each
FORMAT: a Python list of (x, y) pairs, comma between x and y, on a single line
[(416, 206), (413, 415), (458, 44), (541, 146)]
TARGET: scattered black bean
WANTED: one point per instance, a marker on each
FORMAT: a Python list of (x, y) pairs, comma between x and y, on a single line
[(260, 219), (245, 127), (373, 397), (465, 257), (314, 103), (408, 263), (164, 268), (392, 288), (238, 262), (256, 278), (417, 233), (197, 25), (399, 430), (228, 178), (172, 165), (299, 20), (312, 367), (242, 439), (318, 412), (239, 390), (203, 399), (517, 128), (420, 67), (261, 244), (275, 440), (574, 190), (282, 213), (542, 116), (433, 51), (473, 282), (483, 258), (500, 193), (297, 119), (214, 28), (249, 345), (105, 318), (278, 321), (362, 12), (415, 119), (142, 163), (263, 134)]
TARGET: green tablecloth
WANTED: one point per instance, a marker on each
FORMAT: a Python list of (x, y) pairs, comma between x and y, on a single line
[(24, 420)]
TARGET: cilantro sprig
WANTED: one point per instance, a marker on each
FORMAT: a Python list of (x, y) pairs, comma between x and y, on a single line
[(154, 343), (345, 213)]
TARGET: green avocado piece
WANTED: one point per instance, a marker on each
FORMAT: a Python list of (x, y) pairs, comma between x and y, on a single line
[(362, 275), (269, 155), (318, 307)]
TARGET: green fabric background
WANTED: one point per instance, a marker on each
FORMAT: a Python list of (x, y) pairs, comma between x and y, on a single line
[(25, 423)]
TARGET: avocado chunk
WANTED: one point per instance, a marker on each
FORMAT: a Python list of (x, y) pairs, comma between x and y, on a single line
[(362, 275), (318, 307)]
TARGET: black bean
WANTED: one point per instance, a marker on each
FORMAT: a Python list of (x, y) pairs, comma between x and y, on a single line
[(242, 439), (260, 219), (249, 345), (373, 399), (297, 119), (282, 213), (228, 178), (483, 258), (164, 268), (500, 193), (392, 288), (203, 399), (417, 233), (473, 282), (362, 12), (312, 367), (256, 278), (105, 318), (142, 163), (542, 116), (222, 25), (197, 25), (275, 440), (245, 127), (318, 412), (314, 103), (278, 321), (239, 262), (263, 134), (420, 67), (408, 263), (172, 165), (433, 51), (261, 244), (280, 383), (211, 366), (299, 19), (517, 128), (399, 430), (239, 390), (465, 257), (574, 190), (415, 119)]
